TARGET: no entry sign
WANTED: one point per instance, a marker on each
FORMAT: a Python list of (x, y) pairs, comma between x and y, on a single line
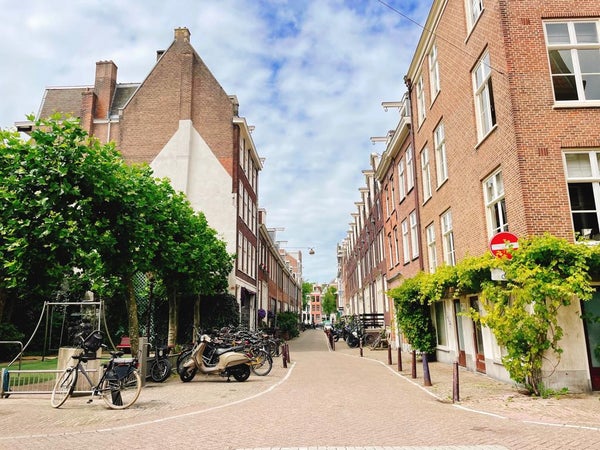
[(501, 242)]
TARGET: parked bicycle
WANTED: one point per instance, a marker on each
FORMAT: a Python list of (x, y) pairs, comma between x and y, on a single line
[(160, 365), (119, 386)]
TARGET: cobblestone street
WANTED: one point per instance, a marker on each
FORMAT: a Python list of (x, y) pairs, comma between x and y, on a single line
[(324, 399)]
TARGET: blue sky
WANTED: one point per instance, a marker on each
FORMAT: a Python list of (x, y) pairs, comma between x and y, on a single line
[(310, 75)]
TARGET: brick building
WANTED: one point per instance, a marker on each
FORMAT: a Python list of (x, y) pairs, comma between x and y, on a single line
[(504, 100), (182, 123)]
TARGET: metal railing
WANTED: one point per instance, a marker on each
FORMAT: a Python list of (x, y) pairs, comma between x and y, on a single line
[(34, 382)]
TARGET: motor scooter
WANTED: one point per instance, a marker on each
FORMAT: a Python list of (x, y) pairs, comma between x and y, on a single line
[(228, 364)]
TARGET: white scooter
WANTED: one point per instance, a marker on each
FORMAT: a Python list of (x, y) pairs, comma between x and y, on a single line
[(229, 363)]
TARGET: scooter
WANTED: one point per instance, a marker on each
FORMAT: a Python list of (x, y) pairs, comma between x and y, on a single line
[(228, 364)]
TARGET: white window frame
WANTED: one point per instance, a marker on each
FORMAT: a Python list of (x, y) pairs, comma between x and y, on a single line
[(586, 172), (573, 50), (420, 92), (485, 109), (431, 247), (410, 169), (439, 318), (426, 174), (448, 239), (401, 180), (495, 204), (434, 72), (414, 234), (474, 8), (441, 161), (405, 242)]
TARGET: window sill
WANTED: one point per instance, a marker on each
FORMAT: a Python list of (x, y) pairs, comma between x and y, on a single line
[(576, 104), (484, 138)]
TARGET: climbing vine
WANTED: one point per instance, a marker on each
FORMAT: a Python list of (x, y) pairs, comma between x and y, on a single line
[(545, 274)]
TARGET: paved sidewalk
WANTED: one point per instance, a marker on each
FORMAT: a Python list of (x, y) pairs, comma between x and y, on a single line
[(482, 393), (320, 399)]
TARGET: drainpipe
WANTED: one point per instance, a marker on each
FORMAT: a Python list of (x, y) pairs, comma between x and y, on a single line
[(409, 85)]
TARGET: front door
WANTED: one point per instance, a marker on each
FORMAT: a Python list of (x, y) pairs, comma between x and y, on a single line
[(460, 336), (591, 323), (477, 339)]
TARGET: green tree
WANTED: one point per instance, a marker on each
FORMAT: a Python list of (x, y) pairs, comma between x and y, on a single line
[(307, 288), (329, 301)]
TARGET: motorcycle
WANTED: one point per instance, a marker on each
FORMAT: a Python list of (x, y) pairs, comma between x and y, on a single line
[(223, 362)]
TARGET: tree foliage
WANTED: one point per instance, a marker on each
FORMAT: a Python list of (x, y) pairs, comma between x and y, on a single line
[(73, 214), (329, 301), (545, 274)]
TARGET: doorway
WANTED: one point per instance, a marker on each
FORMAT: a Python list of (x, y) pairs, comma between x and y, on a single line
[(591, 324), (460, 336), (477, 338)]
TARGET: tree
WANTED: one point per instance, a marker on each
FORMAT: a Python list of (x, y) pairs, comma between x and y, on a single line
[(329, 301), (307, 288)]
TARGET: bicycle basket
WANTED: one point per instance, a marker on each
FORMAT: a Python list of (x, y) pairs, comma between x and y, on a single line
[(93, 342)]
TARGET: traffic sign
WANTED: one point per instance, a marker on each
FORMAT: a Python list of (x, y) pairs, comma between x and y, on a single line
[(501, 242)]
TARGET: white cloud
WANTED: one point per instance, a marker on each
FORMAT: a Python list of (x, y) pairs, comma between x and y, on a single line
[(309, 74)]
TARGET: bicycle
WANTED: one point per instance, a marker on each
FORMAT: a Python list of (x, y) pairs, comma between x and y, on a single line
[(119, 386), (160, 366)]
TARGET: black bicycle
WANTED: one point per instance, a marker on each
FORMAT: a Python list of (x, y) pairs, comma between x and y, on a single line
[(119, 386), (160, 365)]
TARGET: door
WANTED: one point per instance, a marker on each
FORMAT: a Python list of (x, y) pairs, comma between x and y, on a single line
[(591, 323), (460, 336), (477, 339)]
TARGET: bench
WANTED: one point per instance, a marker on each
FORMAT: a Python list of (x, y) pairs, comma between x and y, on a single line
[(125, 344)]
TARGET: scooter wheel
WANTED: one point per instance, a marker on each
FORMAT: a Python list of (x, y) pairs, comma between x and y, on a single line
[(187, 374), (160, 370), (241, 373)]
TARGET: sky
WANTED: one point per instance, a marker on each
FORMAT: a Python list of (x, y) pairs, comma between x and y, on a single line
[(310, 76)]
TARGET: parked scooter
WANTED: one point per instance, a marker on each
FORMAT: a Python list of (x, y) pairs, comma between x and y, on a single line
[(228, 363)]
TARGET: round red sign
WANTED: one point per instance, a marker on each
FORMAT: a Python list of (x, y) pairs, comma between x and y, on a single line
[(501, 242)]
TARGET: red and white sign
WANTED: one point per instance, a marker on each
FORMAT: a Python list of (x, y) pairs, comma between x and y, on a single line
[(503, 241)]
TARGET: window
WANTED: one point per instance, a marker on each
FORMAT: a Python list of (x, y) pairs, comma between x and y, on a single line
[(391, 247), (474, 9), (426, 174), (414, 234), (420, 101), (396, 245), (441, 162), (574, 56), (401, 180), (494, 203), (484, 97), (434, 73), (405, 242), (440, 323), (448, 239), (410, 169), (583, 178), (431, 252)]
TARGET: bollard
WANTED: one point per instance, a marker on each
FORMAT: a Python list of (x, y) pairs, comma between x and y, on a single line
[(414, 364), (287, 352), (284, 356), (389, 354), (360, 346), (455, 384), (399, 359)]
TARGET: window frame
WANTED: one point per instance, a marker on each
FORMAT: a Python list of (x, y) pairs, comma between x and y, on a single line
[(448, 247), (574, 48), (483, 94), (434, 73), (497, 219), (421, 101), (431, 247), (426, 174), (441, 160)]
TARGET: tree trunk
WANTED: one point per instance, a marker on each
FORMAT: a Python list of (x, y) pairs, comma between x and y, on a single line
[(132, 312), (197, 315), (173, 317)]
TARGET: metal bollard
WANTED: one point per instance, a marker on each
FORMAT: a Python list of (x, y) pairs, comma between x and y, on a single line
[(389, 354), (399, 359), (287, 352), (284, 356), (414, 364), (455, 384)]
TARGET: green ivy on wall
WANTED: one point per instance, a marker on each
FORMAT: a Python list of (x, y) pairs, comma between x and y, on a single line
[(543, 275)]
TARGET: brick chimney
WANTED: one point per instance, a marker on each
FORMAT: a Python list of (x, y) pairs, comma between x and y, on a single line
[(104, 87), (182, 34)]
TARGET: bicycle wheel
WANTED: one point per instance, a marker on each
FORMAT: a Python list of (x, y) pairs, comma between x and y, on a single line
[(64, 386), (161, 370), (122, 393), (262, 363)]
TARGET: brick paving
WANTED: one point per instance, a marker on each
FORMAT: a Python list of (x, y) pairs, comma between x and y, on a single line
[(324, 400)]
